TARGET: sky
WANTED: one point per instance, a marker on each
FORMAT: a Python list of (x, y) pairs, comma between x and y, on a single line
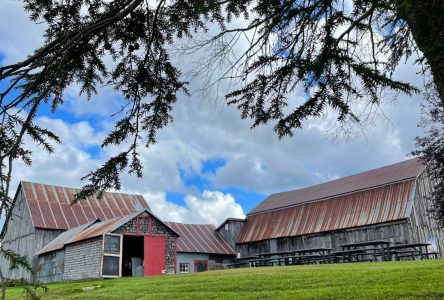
[(208, 165)]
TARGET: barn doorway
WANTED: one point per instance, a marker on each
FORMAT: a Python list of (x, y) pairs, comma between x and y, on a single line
[(132, 256)]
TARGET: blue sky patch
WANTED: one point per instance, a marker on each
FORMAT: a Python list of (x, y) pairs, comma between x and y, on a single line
[(178, 198), (211, 165), (246, 198)]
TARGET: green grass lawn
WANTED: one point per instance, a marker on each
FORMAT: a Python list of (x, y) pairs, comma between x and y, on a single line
[(382, 280)]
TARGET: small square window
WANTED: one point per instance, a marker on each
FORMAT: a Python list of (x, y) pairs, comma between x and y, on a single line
[(227, 226), (184, 268)]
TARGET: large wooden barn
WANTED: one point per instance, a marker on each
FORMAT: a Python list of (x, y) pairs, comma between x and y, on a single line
[(389, 203), (115, 236)]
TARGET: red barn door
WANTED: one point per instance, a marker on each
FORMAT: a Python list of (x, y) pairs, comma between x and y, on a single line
[(154, 255)]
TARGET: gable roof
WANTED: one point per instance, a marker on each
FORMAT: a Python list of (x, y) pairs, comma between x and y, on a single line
[(200, 238), (229, 220), (92, 229), (377, 196), (50, 206), (378, 177)]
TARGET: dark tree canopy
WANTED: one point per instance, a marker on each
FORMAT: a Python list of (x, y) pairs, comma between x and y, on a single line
[(431, 148), (342, 54)]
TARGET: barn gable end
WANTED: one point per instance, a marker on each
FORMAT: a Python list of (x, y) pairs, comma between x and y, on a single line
[(22, 237), (422, 221)]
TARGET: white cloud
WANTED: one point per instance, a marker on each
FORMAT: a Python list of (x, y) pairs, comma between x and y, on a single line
[(255, 159), (210, 207)]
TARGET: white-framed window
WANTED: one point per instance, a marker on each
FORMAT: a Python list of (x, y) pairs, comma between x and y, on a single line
[(184, 268), (112, 255), (227, 226)]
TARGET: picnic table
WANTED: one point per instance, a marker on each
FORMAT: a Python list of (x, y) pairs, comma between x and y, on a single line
[(375, 248), (278, 253), (348, 255), (314, 253), (410, 250)]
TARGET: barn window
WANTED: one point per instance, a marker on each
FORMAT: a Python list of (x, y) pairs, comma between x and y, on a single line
[(184, 268), (200, 265), (227, 226), (112, 255)]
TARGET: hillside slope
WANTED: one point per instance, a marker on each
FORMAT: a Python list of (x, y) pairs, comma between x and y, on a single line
[(387, 280)]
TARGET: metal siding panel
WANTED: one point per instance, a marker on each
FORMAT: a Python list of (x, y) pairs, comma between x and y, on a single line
[(70, 216), (121, 203), (59, 216), (36, 214)]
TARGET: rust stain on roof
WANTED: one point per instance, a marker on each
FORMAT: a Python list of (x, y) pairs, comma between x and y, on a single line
[(94, 229), (50, 206), (200, 238), (378, 177), (378, 205)]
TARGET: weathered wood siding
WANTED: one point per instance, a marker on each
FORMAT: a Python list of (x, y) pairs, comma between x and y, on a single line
[(231, 232), (23, 238), (50, 267), (396, 232), (422, 222)]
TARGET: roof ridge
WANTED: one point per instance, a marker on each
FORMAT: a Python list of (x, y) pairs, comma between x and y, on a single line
[(383, 176), (77, 188), (352, 175)]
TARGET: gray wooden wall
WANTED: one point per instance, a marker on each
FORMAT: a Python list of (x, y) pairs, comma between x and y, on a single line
[(423, 225), (397, 232), (231, 232), (23, 238)]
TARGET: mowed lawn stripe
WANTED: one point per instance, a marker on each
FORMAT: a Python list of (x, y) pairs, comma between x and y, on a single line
[(381, 280)]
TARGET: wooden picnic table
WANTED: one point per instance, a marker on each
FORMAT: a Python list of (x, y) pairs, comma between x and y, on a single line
[(260, 262), (348, 255), (378, 247), (322, 252), (278, 253), (413, 250)]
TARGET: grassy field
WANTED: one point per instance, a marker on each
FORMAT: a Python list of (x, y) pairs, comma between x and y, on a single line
[(383, 280)]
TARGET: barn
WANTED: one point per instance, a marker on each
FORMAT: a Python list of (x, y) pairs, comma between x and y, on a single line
[(42, 212), (389, 203), (138, 244), (115, 236), (200, 248)]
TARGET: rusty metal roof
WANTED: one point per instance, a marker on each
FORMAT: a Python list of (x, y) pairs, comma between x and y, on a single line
[(378, 205), (50, 206), (93, 229), (200, 238), (378, 177)]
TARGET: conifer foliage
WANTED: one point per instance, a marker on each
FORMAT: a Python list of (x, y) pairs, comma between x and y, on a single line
[(340, 53)]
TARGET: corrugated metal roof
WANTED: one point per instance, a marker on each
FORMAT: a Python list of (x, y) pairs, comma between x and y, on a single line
[(200, 238), (50, 206), (378, 205), (394, 173), (92, 229)]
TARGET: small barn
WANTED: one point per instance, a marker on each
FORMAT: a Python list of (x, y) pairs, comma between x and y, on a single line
[(389, 203), (138, 244), (115, 236), (42, 212), (200, 248)]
